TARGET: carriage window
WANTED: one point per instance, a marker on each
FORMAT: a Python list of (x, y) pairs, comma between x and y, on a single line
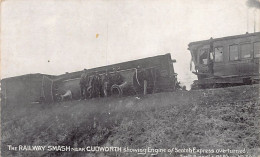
[(233, 52), (257, 49), (219, 54), (245, 50), (203, 59)]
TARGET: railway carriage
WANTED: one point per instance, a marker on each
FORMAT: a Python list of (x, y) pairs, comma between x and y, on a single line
[(226, 61)]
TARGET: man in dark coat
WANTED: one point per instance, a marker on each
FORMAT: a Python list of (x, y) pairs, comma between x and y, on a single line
[(95, 85), (98, 85), (82, 84), (90, 85), (106, 83)]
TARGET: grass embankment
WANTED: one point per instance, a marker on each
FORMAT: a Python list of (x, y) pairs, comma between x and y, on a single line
[(215, 118)]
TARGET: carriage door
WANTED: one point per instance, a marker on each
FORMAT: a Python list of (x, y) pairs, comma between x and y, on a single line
[(203, 60), (218, 61), (247, 64)]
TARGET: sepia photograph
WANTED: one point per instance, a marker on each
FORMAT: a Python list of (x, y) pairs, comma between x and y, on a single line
[(134, 78)]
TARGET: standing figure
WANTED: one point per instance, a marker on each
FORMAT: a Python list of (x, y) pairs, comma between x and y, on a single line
[(211, 66), (99, 85), (82, 84), (95, 85), (89, 87), (106, 84), (211, 59)]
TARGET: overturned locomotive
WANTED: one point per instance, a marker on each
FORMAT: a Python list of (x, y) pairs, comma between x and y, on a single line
[(226, 61), (156, 72)]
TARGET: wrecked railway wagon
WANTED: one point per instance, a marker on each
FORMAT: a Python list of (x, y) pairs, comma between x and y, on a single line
[(159, 69), (160, 76), (24, 89), (226, 61)]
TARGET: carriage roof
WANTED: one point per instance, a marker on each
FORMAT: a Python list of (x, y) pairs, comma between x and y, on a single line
[(223, 38)]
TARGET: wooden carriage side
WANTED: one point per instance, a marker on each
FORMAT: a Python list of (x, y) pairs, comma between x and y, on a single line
[(26, 89), (227, 60)]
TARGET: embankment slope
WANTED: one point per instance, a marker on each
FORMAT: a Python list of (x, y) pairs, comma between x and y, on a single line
[(208, 119)]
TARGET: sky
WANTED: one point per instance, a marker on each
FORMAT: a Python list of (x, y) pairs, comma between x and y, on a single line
[(56, 36)]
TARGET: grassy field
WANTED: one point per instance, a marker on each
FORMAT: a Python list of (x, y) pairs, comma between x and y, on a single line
[(206, 119)]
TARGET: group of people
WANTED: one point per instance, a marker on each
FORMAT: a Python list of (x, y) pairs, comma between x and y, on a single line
[(93, 84)]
